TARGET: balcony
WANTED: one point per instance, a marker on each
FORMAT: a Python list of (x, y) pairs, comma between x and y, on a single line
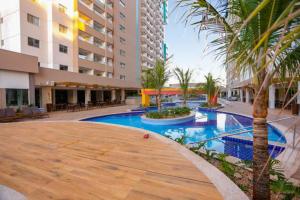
[(101, 3), (99, 11), (87, 3), (99, 28)]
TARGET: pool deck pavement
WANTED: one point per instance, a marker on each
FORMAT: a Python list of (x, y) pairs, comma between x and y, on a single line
[(80, 160), (290, 157), (53, 158)]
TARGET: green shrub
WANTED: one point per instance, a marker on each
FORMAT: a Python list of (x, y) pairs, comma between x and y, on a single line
[(207, 105), (169, 113)]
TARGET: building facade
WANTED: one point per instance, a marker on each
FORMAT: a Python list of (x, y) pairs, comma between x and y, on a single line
[(87, 50), (281, 94), (153, 18)]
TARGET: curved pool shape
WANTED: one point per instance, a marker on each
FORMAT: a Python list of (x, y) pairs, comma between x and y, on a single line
[(207, 124)]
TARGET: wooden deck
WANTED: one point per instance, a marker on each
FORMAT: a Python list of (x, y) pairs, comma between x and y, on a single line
[(71, 160)]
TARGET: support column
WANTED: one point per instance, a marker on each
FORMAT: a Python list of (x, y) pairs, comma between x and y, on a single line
[(2, 98), (241, 95), (46, 96), (31, 90), (272, 96), (122, 95), (72, 96), (229, 93), (53, 96), (87, 96), (247, 96), (113, 95)]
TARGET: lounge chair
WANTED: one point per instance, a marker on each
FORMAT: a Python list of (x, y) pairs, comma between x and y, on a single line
[(34, 112), (8, 115)]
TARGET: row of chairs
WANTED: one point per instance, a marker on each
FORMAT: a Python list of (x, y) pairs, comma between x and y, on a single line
[(10, 115), (82, 106)]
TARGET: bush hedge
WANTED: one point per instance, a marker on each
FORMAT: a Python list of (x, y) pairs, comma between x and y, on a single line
[(169, 113), (206, 105)]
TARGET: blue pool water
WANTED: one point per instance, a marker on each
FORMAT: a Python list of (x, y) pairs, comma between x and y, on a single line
[(207, 124)]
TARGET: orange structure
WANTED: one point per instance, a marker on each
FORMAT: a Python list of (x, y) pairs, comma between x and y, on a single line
[(146, 93)]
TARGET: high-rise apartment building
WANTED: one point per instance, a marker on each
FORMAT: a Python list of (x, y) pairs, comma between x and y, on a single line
[(86, 49), (152, 21)]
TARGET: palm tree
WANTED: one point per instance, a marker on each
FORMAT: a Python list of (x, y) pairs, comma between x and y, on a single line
[(260, 37), (211, 88), (159, 77), (146, 78), (184, 79)]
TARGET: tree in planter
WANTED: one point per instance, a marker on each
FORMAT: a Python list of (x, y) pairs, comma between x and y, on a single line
[(160, 74), (211, 88), (260, 37), (146, 78), (184, 78)]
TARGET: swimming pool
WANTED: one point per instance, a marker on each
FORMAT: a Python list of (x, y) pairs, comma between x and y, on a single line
[(207, 124)]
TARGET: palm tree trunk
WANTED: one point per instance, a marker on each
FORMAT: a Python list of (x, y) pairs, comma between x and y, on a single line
[(261, 177), (184, 98), (159, 101)]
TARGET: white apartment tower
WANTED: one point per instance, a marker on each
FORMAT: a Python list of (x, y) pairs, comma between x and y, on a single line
[(86, 50), (153, 19)]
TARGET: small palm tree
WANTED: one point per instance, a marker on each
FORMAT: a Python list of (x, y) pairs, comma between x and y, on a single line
[(184, 79), (211, 88), (159, 77), (146, 78)]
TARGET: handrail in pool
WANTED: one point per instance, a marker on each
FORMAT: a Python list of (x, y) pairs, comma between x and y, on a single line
[(223, 135)]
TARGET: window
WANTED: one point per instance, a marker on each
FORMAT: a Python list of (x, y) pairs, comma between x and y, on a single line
[(62, 8), (63, 67), (122, 52), (109, 75), (33, 42), (1, 20), (2, 42), (63, 48), (122, 65), (122, 40), (122, 77), (122, 3), (63, 29), (16, 97), (33, 19), (122, 16), (122, 28)]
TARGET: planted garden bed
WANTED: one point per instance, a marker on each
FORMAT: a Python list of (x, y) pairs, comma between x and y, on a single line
[(240, 172), (169, 116), (169, 113)]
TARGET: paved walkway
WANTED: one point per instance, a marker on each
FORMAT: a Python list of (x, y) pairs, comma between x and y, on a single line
[(287, 123), (78, 160)]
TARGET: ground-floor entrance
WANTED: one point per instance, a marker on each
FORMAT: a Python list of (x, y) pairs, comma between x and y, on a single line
[(55, 98)]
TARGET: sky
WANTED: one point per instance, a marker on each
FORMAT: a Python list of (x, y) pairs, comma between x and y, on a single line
[(190, 50)]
